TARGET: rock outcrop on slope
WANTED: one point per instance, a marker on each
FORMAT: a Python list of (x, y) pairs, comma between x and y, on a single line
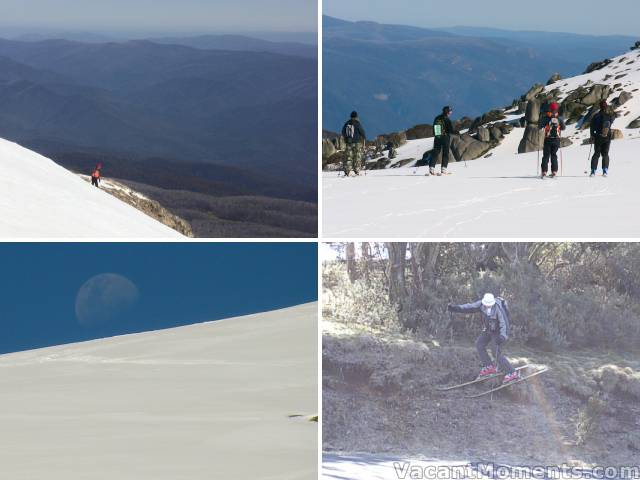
[(145, 205)]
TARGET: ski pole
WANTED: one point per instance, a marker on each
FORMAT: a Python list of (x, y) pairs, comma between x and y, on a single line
[(561, 163), (589, 157)]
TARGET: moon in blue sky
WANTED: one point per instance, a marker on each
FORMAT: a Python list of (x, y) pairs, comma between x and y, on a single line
[(105, 298)]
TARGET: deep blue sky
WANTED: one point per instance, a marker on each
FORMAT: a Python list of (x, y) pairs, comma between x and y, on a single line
[(179, 284), (163, 15), (613, 17)]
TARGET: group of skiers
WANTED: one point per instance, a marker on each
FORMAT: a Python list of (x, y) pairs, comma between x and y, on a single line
[(551, 123)]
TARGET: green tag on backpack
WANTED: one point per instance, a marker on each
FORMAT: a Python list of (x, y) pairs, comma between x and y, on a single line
[(437, 130)]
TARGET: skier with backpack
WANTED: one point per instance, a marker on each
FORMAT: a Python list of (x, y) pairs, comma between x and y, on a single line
[(552, 123), (442, 130), (96, 176), (495, 313), (601, 135), (354, 138)]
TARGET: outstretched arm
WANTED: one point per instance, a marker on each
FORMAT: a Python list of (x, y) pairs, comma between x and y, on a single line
[(466, 307)]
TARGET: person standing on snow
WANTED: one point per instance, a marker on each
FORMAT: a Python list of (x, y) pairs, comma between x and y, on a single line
[(496, 330), (552, 124), (96, 176), (354, 138), (442, 130), (601, 135)]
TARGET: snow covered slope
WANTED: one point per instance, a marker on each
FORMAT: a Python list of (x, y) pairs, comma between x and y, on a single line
[(38, 198), (203, 401), (501, 196)]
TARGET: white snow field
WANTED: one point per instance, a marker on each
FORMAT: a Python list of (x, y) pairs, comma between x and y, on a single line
[(39, 198), (501, 196), (206, 401)]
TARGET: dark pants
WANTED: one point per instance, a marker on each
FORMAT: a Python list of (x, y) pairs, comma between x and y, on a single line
[(481, 345), (440, 144), (94, 181), (601, 147), (551, 146)]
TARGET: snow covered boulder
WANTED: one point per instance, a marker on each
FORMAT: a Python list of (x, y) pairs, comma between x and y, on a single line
[(635, 123)]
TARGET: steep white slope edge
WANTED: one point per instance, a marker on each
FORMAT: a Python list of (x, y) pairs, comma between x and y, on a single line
[(501, 196), (39, 198), (203, 401)]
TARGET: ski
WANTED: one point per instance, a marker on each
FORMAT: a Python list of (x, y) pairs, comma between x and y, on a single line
[(477, 380), (505, 385)]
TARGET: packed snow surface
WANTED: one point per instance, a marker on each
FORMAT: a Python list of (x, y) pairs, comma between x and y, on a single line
[(203, 401), (39, 198)]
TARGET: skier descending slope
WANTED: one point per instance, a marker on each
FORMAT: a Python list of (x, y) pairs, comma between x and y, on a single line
[(442, 129), (552, 124), (354, 138), (96, 175), (496, 318), (601, 135)]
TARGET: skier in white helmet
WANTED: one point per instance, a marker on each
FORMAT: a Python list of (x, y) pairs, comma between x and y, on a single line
[(496, 328)]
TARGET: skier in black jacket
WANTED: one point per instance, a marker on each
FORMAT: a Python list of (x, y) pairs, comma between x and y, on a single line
[(601, 135), (496, 329), (354, 138), (552, 124), (443, 128)]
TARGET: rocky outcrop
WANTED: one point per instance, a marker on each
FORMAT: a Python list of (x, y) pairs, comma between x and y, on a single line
[(420, 131), (398, 139), (489, 117), (483, 134), (623, 98), (465, 147), (635, 123), (145, 205), (596, 94), (532, 139), (554, 78), (597, 65), (533, 92)]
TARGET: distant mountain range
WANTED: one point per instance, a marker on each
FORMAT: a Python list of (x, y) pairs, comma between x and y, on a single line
[(225, 116), (398, 76), (241, 108)]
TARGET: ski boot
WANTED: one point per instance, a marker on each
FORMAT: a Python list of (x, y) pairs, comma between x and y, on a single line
[(444, 172), (553, 175), (544, 174), (511, 377), (593, 173), (486, 371), (432, 171), (605, 172)]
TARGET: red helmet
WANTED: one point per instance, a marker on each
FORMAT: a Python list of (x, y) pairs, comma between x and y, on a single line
[(554, 106)]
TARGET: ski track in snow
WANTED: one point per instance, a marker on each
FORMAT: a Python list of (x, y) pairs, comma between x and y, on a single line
[(500, 196)]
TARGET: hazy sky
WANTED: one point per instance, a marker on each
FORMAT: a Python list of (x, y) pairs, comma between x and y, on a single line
[(163, 15), (577, 16), (175, 284)]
